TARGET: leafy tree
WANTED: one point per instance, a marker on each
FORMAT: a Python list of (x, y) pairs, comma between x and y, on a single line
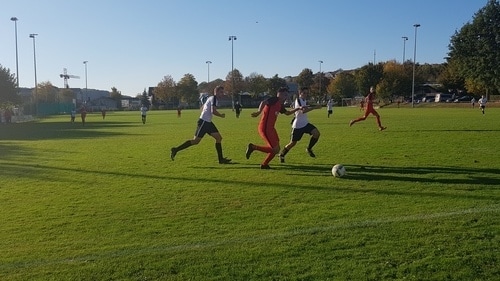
[(315, 91), (429, 72), (115, 94), (145, 99), (8, 89), (256, 83), (343, 86), (46, 92), (205, 87), (368, 75), (275, 83), (166, 89), (450, 77), (187, 89), (396, 81), (66, 95), (239, 82), (305, 78), (474, 50)]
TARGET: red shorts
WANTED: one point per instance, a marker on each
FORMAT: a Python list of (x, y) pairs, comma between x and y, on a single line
[(270, 136), (370, 110)]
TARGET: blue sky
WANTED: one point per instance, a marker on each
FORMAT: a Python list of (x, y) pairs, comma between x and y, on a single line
[(132, 45)]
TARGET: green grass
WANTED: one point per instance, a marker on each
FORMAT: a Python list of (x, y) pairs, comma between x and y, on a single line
[(421, 200)]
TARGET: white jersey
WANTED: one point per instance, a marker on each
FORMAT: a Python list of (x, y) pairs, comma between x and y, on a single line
[(144, 110), (482, 101), (300, 119), (329, 105), (206, 111)]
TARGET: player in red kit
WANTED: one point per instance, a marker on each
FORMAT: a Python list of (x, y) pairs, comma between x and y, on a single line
[(369, 109), (270, 109)]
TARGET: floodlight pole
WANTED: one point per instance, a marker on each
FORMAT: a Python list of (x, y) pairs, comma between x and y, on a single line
[(404, 47), (414, 62), (208, 66), (232, 38), (85, 63), (33, 35), (14, 19)]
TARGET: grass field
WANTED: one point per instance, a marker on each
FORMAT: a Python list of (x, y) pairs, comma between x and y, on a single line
[(420, 201)]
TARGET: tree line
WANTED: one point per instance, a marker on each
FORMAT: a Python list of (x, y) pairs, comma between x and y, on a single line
[(472, 66)]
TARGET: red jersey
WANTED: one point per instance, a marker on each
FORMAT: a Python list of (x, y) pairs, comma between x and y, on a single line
[(369, 100), (270, 113)]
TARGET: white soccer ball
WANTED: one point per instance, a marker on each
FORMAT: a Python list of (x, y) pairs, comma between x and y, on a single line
[(338, 171)]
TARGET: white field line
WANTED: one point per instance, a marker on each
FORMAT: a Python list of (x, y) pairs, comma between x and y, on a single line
[(246, 240)]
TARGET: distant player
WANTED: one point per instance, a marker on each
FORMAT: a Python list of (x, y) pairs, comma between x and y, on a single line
[(473, 102), (73, 115), (205, 126), (329, 107), (83, 114), (270, 110), (369, 110), (144, 112), (301, 126), (237, 109), (482, 103)]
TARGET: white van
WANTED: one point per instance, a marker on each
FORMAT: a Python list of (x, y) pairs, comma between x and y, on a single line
[(443, 97)]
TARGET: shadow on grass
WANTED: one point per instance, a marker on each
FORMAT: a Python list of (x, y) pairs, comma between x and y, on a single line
[(446, 130), (60, 130), (10, 150), (363, 173), (444, 175)]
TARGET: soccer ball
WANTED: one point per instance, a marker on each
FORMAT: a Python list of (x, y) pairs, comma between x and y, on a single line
[(338, 171)]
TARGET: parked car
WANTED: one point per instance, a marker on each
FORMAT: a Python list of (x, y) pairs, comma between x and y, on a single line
[(464, 99), (428, 99)]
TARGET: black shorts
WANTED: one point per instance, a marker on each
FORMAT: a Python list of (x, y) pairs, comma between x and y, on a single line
[(482, 106), (330, 111), (298, 133), (205, 127)]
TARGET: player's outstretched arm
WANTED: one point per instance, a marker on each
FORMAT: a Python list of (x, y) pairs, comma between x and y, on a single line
[(290, 112), (261, 107)]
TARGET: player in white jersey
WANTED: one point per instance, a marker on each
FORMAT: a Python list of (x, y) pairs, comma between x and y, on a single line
[(482, 103), (301, 125), (144, 111), (205, 126), (329, 107)]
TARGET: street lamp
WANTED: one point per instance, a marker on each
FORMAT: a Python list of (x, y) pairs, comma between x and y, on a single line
[(320, 78), (232, 38), (14, 19), (404, 47), (208, 65), (32, 35), (414, 62), (85, 63)]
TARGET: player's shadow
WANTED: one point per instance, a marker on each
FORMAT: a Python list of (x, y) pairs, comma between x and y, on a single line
[(444, 175), (60, 130)]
